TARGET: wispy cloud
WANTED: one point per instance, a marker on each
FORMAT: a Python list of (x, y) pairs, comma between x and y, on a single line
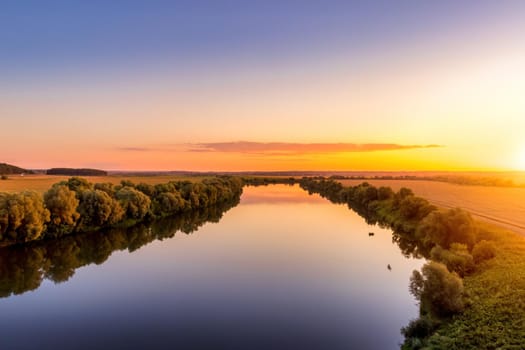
[(276, 149), (135, 149), (288, 148)]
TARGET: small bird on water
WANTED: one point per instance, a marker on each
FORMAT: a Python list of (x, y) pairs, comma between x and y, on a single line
[(389, 267)]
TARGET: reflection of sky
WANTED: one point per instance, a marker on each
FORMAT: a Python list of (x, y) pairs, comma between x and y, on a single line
[(276, 275), (276, 194)]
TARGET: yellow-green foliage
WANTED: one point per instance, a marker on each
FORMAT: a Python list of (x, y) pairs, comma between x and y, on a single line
[(495, 317), (447, 227), (77, 205), (62, 204), (439, 291), (135, 203), (457, 258), (483, 250), (23, 216), (493, 294)]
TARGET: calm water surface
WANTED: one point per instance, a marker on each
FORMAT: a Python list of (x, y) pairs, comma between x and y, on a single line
[(282, 270)]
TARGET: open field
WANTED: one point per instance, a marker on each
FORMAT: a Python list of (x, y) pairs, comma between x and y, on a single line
[(42, 183), (499, 205)]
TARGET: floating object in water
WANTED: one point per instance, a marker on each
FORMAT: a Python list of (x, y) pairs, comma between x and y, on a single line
[(370, 233), (389, 267)]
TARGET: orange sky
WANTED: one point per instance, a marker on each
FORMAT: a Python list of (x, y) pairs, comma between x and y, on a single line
[(429, 78)]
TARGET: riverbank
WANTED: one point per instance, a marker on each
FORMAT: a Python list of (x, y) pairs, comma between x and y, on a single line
[(493, 289), (77, 205)]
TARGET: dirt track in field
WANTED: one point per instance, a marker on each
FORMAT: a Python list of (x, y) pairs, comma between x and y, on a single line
[(504, 206)]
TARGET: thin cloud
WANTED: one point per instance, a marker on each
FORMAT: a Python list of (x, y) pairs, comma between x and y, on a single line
[(287, 148), (135, 149)]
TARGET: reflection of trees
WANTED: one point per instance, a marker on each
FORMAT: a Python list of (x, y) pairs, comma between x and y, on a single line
[(400, 212), (23, 268)]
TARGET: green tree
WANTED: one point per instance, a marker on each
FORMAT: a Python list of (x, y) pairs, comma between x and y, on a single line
[(384, 193), (168, 203), (135, 203), (98, 209), (77, 184), (62, 204), (439, 291), (415, 208), (147, 189), (107, 187), (457, 258), (451, 226), (23, 216)]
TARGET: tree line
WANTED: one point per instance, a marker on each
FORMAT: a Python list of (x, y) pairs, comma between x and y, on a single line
[(8, 169), (76, 172), (449, 239), (77, 205)]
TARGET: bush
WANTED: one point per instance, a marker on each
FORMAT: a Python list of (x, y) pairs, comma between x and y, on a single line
[(457, 258), (419, 328), (4, 177), (483, 250)]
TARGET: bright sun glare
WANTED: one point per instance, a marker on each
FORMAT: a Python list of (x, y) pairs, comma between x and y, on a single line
[(520, 159)]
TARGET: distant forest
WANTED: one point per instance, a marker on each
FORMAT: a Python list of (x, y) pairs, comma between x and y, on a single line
[(76, 172), (8, 169)]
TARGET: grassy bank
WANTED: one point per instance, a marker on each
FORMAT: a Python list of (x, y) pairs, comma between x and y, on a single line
[(495, 316)]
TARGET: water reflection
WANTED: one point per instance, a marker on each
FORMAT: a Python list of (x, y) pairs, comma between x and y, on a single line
[(24, 268), (295, 272)]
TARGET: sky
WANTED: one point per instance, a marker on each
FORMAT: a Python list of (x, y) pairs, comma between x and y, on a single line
[(263, 85)]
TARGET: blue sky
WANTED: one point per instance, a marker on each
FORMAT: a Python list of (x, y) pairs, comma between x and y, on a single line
[(37, 36), (102, 76)]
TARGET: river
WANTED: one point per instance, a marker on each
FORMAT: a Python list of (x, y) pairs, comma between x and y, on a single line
[(281, 270)]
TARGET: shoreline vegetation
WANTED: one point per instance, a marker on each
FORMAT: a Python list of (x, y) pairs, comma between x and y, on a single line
[(76, 172), (471, 291), (77, 205)]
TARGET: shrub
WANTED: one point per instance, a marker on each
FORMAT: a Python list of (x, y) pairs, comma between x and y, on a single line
[(483, 250), (457, 258), (419, 328), (4, 177)]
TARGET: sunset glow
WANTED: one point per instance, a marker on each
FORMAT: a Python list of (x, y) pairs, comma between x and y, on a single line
[(148, 87)]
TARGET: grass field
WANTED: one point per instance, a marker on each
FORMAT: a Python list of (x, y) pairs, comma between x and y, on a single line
[(504, 206), (42, 183)]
